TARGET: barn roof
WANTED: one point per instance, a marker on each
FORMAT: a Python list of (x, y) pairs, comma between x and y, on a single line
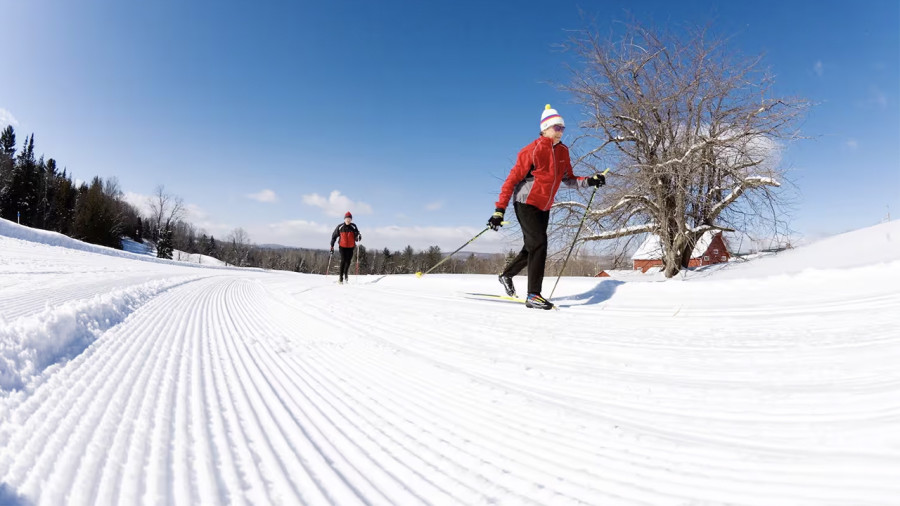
[(651, 249)]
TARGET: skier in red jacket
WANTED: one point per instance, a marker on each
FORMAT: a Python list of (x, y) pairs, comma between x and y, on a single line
[(541, 167), (349, 236)]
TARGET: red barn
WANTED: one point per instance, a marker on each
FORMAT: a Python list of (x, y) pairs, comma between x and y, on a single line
[(710, 249)]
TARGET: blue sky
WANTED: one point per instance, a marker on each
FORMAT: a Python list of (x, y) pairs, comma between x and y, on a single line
[(278, 118)]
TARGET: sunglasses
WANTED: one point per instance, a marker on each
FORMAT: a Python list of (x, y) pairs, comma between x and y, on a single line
[(559, 128)]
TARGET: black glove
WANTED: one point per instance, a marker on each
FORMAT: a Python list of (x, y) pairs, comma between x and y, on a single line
[(496, 219), (597, 180), (332, 249)]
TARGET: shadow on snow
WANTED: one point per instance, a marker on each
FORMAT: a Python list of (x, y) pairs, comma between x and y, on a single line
[(600, 293)]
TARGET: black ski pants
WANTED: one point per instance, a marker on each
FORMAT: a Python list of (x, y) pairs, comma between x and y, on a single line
[(534, 224), (346, 255)]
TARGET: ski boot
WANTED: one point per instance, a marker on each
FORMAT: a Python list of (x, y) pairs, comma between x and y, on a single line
[(507, 283), (536, 301)]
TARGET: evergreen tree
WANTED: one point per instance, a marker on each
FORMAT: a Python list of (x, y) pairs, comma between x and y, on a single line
[(387, 262), (362, 259), (407, 261), (96, 216), (21, 196), (62, 218), (139, 230), (48, 188), (131, 220), (8, 142), (164, 247), (7, 152), (432, 257)]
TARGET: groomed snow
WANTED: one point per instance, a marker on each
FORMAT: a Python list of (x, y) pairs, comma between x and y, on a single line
[(129, 380)]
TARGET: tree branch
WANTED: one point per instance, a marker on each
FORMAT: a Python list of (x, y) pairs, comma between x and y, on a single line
[(622, 232), (737, 191)]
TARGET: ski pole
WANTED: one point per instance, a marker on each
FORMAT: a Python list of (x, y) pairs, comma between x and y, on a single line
[(420, 273), (357, 264), (586, 209), (328, 267)]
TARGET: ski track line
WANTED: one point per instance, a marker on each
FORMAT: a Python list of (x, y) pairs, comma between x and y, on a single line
[(360, 306), (118, 482), (325, 429), (298, 478), (333, 403), (553, 449), (318, 388), (408, 412), (419, 408), (100, 380), (302, 458), (233, 435), (90, 371), (139, 356), (412, 468), (524, 417), (169, 443), (49, 294)]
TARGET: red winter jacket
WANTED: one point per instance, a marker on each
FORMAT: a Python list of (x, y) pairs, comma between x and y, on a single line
[(349, 235), (539, 170)]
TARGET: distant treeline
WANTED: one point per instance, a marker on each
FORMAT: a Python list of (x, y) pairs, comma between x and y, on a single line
[(375, 261)]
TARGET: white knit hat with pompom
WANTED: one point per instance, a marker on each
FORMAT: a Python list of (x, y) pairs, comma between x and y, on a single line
[(550, 117)]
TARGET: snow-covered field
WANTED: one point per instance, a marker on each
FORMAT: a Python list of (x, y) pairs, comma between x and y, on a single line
[(129, 380)]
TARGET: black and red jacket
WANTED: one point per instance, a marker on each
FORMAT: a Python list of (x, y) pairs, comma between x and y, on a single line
[(349, 235)]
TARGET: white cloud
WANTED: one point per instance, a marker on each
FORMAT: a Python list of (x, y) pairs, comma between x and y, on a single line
[(194, 213), (819, 68), (447, 238), (852, 143), (294, 233), (434, 206), (336, 204), (298, 227), (265, 196), (6, 118), (139, 202)]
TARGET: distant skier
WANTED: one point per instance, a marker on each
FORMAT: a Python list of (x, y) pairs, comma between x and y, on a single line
[(540, 168), (349, 236)]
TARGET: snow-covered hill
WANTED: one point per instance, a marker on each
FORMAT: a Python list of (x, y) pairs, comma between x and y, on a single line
[(149, 249), (129, 380)]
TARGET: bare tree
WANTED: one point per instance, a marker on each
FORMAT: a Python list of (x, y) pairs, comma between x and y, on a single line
[(166, 210), (238, 247), (693, 135)]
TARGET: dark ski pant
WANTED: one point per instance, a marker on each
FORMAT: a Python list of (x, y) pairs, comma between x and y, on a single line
[(534, 224), (346, 255)]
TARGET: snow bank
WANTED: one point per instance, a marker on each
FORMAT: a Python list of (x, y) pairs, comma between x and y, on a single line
[(133, 250), (138, 248), (148, 249), (868, 246), (31, 344)]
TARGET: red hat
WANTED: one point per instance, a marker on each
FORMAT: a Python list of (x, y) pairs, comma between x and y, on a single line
[(348, 215)]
